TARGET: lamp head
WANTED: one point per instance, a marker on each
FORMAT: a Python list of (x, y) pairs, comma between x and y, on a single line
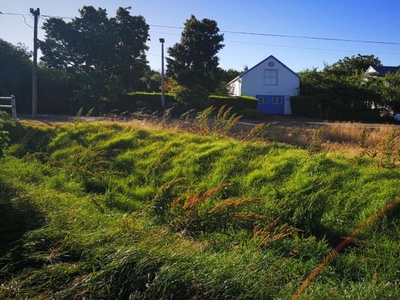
[(162, 40)]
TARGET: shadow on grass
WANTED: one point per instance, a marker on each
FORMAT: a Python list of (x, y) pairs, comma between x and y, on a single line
[(18, 215)]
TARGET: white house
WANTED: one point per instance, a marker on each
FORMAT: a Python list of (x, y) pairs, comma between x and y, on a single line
[(271, 82)]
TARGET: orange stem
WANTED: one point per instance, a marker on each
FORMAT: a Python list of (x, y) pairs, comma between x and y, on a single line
[(339, 247)]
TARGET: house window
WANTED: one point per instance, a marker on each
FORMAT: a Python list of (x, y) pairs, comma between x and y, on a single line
[(271, 77), (276, 100), (262, 100)]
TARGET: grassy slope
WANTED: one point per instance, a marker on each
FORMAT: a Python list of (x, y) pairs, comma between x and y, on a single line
[(111, 211)]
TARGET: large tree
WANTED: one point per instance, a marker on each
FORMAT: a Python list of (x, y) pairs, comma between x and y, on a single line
[(390, 90), (105, 55), (16, 74), (349, 66), (341, 88), (193, 62)]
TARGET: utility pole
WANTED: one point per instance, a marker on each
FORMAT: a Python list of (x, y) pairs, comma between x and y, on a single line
[(36, 14)]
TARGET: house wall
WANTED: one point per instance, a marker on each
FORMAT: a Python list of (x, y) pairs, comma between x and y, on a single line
[(253, 81), (235, 87)]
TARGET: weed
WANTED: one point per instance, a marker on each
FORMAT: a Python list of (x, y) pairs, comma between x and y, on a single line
[(224, 121), (315, 145), (202, 120), (387, 160), (4, 134), (363, 137), (259, 131)]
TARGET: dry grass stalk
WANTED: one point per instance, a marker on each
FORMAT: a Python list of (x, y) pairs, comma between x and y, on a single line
[(343, 244), (273, 232), (232, 204), (194, 200)]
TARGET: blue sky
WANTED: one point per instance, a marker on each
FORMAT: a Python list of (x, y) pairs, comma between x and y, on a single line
[(366, 20)]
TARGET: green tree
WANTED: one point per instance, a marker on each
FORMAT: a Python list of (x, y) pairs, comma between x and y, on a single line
[(105, 56), (16, 74), (193, 62), (225, 77), (341, 89), (229, 75), (390, 91), (349, 66)]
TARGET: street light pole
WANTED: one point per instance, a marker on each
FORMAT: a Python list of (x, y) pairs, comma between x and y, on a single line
[(162, 41)]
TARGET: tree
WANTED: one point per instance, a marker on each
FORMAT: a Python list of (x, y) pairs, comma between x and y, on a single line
[(193, 62), (349, 66), (390, 91), (225, 77), (105, 55), (16, 74), (341, 88)]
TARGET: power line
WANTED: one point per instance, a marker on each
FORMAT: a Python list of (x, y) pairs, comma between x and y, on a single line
[(251, 33), (281, 46), (13, 14), (294, 36), (58, 17), (306, 48)]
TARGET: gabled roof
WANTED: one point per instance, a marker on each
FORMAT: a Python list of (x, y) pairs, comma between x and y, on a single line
[(383, 70), (271, 56)]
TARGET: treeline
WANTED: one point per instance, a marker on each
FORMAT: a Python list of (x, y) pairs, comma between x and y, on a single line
[(342, 91), (95, 61)]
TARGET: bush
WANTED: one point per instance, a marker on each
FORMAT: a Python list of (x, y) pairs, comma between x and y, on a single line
[(140, 100), (184, 99), (239, 103), (195, 98), (315, 106)]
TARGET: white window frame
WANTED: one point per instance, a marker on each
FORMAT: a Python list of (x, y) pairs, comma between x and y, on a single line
[(277, 100), (270, 76), (263, 100)]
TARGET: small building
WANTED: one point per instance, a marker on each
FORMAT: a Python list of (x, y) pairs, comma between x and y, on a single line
[(381, 70), (271, 82)]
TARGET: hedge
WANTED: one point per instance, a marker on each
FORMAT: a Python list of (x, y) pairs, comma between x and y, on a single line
[(323, 106), (141, 100), (237, 103), (305, 106), (152, 101)]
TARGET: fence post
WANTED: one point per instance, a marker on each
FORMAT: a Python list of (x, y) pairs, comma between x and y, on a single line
[(12, 105), (13, 108)]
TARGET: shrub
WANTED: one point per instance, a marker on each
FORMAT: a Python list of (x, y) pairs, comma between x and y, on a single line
[(140, 100), (309, 106), (4, 134), (237, 103)]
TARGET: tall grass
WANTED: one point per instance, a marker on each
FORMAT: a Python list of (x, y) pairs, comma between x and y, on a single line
[(141, 211)]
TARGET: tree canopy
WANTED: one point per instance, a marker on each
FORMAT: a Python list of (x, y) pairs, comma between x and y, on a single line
[(345, 92), (107, 55), (193, 61), (15, 72), (349, 66)]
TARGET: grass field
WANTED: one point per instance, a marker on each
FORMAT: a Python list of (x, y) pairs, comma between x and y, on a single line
[(161, 210)]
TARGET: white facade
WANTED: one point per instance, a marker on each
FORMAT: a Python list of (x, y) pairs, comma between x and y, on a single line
[(269, 78)]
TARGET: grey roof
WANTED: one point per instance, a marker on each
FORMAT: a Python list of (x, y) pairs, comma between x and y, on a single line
[(383, 70)]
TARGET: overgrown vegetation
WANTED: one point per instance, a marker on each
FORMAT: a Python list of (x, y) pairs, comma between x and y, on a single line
[(121, 211)]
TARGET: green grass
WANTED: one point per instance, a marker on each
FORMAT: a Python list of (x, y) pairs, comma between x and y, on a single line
[(111, 211)]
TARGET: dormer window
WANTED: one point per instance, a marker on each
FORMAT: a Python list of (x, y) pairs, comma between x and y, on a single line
[(270, 76)]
